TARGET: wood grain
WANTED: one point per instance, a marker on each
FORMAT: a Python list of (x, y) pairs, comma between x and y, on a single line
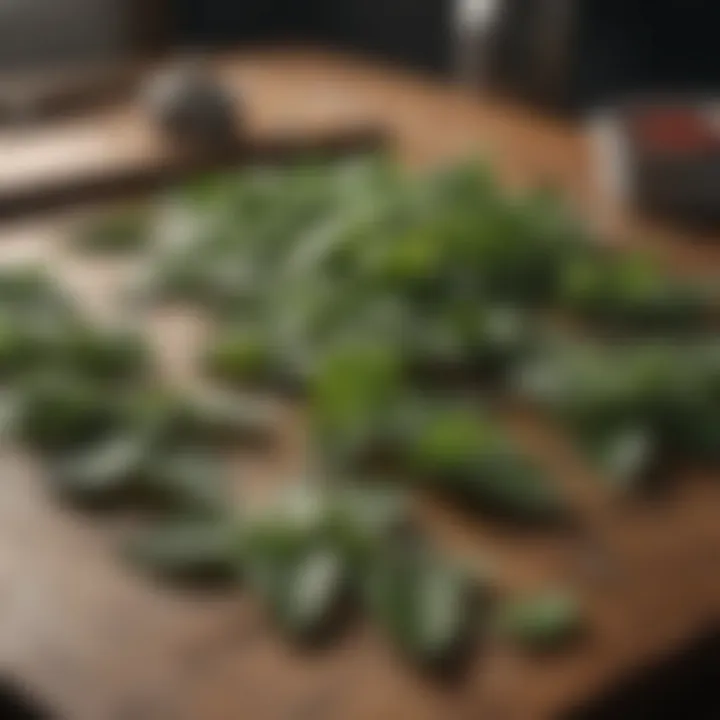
[(160, 170), (80, 629)]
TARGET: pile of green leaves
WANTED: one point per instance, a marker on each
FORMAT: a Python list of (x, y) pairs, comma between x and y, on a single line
[(318, 247), (630, 294), (446, 444), (360, 289), (640, 408), (321, 276), (88, 402), (388, 303), (332, 281), (319, 555)]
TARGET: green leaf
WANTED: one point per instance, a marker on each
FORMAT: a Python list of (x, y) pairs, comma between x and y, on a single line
[(543, 622), (364, 519), (458, 452), (117, 231), (353, 385), (103, 474), (296, 562), (186, 481), (57, 412), (130, 470), (27, 292), (9, 413), (99, 354), (21, 350), (245, 358), (294, 522), (172, 419), (449, 436), (508, 484), (308, 598), (427, 607), (630, 292), (186, 549), (628, 456)]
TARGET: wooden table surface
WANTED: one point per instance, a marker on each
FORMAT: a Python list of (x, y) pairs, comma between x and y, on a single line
[(100, 643)]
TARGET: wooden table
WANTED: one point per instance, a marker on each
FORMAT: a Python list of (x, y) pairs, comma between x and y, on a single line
[(80, 629)]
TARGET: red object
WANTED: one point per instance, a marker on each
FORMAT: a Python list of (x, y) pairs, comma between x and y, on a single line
[(674, 130)]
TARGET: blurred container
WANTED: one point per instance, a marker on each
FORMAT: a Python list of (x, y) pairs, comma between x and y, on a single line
[(663, 157), (192, 107)]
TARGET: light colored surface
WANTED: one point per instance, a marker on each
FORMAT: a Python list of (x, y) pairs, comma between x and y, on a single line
[(118, 138)]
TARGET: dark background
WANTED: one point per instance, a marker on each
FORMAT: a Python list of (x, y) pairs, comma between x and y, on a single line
[(410, 31), (611, 48)]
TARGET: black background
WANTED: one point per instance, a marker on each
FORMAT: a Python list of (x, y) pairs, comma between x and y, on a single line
[(616, 47)]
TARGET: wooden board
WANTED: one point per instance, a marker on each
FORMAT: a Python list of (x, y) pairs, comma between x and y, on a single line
[(154, 171), (119, 150), (98, 642)]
